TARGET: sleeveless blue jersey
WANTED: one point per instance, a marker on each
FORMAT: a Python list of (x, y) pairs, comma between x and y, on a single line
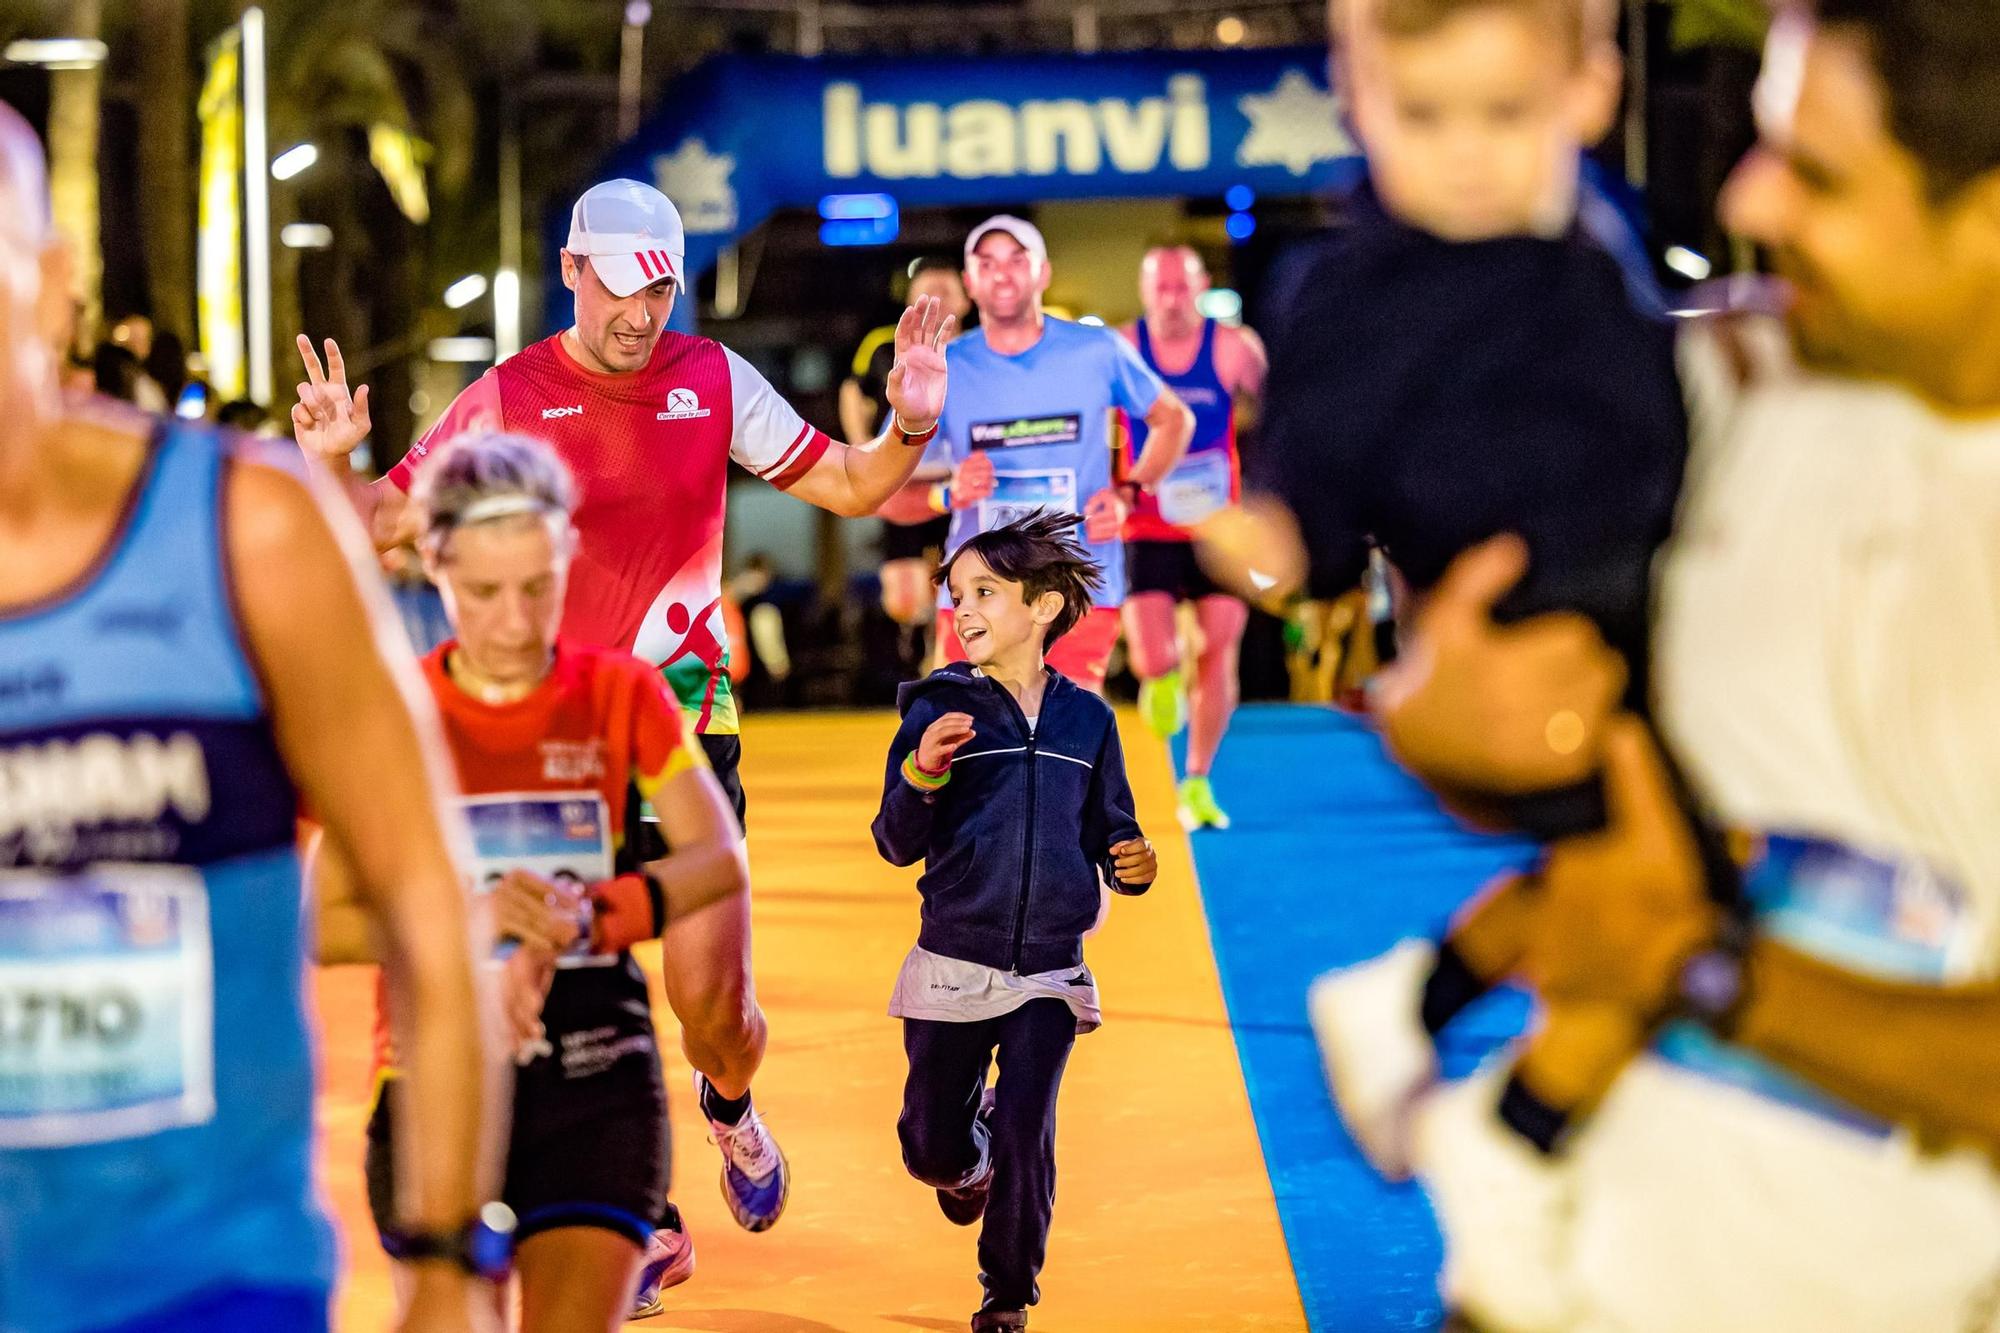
[(1207, 478), (155, 1070)]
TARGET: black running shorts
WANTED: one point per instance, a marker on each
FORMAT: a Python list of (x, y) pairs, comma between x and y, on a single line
[(589, 1144), (1168, 567), (915, 541)]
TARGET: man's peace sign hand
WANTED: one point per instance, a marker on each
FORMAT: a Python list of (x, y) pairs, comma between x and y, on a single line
[(327, 420)]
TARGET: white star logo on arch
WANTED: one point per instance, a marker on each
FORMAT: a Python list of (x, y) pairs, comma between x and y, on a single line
[(1295, 126), (698, 183)]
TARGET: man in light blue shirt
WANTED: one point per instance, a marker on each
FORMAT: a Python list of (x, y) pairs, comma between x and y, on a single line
[(1027, 426)]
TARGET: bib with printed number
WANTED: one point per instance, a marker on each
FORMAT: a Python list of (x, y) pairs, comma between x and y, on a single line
[(107, 1005), (1196, 489), (564, 837), (1019, 494)]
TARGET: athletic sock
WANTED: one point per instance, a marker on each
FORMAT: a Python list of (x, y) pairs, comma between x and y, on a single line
[(718, 1107)]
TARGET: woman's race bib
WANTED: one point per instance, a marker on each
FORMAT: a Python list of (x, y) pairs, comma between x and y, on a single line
[(107, 1004), (564, 837)]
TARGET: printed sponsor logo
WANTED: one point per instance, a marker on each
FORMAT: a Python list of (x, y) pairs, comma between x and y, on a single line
[(1295, 125), (553, 413), (982, 137), (32, 684), (682, 405), (1027, 430), (50, 791), (159, 622), (572, 761)]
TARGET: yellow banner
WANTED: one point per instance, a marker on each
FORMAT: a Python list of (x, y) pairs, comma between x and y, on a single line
[(400, 158), (219, 225)]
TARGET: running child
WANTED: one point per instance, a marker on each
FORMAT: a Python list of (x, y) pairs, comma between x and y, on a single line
[(1008, 782)]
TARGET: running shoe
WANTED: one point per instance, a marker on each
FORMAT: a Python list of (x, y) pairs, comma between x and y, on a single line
[(1197, 808), (967, 1204), (999, 1321), (1163, 703), (756, 1181), (669, 1262), (1369, 1022)]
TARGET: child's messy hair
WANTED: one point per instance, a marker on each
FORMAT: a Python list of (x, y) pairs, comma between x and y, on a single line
[(1039, 552)]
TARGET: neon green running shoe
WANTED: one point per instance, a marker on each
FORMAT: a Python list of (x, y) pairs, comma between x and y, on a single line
[(1163, 703), (1198, 809)]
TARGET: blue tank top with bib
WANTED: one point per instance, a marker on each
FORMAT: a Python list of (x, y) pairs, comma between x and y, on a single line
[(155, 1065)]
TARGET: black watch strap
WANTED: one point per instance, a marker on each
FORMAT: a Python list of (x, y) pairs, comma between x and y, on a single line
[(483, 1247)]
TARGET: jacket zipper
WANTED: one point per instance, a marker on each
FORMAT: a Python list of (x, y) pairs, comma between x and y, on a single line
[(1027, 831)]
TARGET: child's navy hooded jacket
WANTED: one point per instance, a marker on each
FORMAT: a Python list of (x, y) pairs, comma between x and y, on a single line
[(1012, 845)]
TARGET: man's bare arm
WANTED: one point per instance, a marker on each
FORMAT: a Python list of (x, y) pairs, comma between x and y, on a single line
[(329, 423), (855, 481), (346, 723), (707, 864), (345, 930), (1169, 427), (1246, 366), (858, 412), (1617, 913), (1921, 1055)]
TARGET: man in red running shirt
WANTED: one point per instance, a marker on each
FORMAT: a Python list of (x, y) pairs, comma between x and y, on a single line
[(648, 421)]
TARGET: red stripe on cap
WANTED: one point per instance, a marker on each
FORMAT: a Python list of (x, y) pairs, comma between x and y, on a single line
[(644, 267), (666, 262)]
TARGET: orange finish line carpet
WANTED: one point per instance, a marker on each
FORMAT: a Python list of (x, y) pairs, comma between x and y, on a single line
[(1164, 1214)]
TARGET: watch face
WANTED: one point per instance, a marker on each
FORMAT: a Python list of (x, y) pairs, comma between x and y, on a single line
[(490, 1242), (1711, 983)]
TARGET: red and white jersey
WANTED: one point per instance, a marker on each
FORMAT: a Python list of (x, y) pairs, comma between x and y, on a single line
[(650, 451)]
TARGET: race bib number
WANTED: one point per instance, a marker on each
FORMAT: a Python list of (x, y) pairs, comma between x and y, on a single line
[(107, 1005), (1018, 494), (1022, 431), (1196, 489), (563, 837)]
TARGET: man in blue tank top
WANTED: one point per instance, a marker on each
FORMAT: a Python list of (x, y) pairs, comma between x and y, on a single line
[(1218, 371), (1027, 426), (185, 659)]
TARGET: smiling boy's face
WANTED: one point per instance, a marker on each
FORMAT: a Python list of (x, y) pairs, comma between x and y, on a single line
[(993, 619)]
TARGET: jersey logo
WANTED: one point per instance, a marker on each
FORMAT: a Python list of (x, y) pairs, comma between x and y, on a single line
[(572, 761), (1066, 429), (551, 413), (682, 405), (60, 790)]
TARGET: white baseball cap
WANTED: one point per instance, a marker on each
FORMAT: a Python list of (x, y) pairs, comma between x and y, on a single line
[(1020, 229), (631, 233)]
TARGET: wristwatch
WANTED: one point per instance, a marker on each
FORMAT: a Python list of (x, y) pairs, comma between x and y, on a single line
[(1714, 981), (483, 1247)]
